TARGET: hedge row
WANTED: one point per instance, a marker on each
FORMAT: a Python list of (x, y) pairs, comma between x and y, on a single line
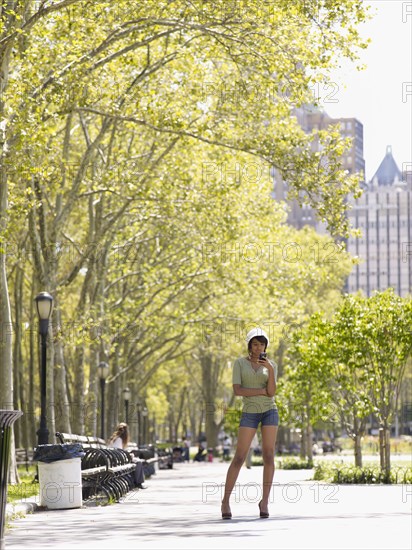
[(291, 463), (368, 474)]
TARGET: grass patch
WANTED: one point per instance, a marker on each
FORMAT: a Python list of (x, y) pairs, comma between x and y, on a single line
[(25, 489)]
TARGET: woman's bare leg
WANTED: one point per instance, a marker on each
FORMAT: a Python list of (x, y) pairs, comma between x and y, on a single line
[(269, 434), (244, 440)]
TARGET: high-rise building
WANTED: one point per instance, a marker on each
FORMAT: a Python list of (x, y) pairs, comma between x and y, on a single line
[(311, 118), (382, 213)]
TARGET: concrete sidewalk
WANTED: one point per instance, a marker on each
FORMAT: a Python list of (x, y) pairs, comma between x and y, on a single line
[(181, 509)]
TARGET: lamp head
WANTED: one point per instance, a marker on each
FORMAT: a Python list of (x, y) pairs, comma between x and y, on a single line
[(44, 305), (103, 370), (127, 394)]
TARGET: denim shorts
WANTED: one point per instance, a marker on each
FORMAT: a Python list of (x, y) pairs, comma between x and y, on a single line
[(252, 420)]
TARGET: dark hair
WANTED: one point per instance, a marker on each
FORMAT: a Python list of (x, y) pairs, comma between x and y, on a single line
[(260, 339), (122, 432)]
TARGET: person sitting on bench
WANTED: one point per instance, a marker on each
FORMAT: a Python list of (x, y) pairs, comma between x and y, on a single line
[(120, 440)]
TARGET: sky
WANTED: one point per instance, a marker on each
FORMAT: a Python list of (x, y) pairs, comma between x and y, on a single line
[(381, 95)]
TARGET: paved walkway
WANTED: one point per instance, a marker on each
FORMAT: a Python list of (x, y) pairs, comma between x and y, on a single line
[(181, 509)]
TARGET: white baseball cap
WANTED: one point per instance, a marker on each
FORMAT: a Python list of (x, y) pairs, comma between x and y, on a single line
[(256, 332)]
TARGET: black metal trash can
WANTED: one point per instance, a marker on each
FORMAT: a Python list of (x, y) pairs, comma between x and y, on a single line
[(7, 419)]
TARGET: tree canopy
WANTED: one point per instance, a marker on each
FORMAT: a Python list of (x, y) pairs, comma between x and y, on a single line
[(138, 141)]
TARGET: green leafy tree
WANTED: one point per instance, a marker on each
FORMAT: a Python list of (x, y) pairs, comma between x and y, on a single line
[(383, 346), (348, 349), (304, 393), (369, 345), (114, 121)]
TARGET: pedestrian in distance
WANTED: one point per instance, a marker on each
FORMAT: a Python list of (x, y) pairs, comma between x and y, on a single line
[(254, 379), (120, 440), (186, 449)]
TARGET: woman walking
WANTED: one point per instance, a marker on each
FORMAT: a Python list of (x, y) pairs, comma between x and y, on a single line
[(254, 378)]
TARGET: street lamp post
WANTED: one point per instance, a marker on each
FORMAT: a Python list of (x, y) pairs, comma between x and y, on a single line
[(103, 372), (126, 396), (44, 305)]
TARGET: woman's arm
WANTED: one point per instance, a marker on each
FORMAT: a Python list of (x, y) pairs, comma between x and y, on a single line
[(271, 384), (248, 392)]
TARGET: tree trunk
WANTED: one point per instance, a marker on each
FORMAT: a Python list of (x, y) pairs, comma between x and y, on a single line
[(51, 401), (309, 447), (79, 407), (358, 450), (92, 418), (60, 392), (114, 412), (171, 421), (358, 429), (211, 372), (382, 454), (192, 414), (18, 377), (385, 449), (302, 452), (32, 363), (211, 426), (178, 420), (6, 336), (78, 411), (306, 450)]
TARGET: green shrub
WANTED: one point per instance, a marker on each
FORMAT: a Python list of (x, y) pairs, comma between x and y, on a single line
[(322, 471), (292, 463), (334, 473)]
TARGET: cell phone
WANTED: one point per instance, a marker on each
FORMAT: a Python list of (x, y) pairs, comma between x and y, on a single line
[(262, 355)]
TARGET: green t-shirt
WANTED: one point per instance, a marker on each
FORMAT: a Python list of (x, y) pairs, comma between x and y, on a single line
[(246, 376)]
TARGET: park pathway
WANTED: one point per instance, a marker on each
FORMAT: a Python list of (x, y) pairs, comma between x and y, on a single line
[(181, 510)]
